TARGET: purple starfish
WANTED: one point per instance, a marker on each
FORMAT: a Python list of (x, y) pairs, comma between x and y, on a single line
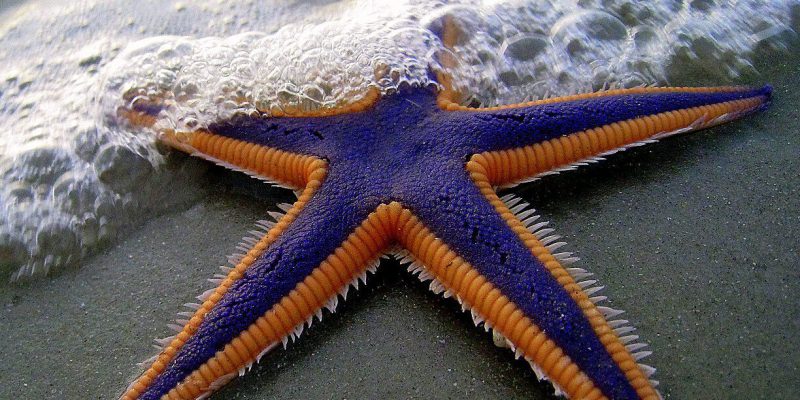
[(414, 174)]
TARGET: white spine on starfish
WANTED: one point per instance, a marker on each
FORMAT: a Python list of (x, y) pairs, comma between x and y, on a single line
[(233, 259), (236, 168), (621, 327), (254, 236), (218, 384), (205, 295), (265, 224), (146, 363), (225, 269)]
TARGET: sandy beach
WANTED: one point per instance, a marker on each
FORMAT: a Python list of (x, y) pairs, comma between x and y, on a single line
[(695, 237)]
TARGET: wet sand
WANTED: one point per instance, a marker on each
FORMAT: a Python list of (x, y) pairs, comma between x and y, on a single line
[(695, 237)]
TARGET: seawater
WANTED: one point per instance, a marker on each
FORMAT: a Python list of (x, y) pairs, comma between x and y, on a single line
[(74, 177)]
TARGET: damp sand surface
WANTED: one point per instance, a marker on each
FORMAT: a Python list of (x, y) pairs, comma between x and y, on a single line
[(696, 237)]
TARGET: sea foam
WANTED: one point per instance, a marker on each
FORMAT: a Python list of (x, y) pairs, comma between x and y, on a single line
[(74, 177)]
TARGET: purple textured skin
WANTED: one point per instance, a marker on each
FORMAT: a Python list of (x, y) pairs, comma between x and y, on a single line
[(406, 149)]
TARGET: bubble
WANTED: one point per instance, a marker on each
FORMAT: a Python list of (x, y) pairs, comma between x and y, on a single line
[(588, 35), (526, 48), (18, 192), (88, 233), (702, 5), (646, 40), (12, 250), (40, 165), (75, 193), (57, 242), (86, 141), (121, 168)]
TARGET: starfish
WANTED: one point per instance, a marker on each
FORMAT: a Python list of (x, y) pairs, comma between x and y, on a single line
[(414, 173)]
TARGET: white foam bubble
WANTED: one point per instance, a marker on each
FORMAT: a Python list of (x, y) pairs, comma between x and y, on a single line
[(73, 176)]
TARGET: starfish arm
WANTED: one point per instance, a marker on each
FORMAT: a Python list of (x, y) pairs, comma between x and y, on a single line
[(288, 129), (325, 243), (528, 140), (476, 249)]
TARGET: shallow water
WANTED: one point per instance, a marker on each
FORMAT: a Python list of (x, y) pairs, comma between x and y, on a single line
[(715, 299), (75, 177)]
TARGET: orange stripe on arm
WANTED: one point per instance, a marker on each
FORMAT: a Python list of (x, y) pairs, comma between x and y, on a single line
[(365, 102), (446, 99), (288, 169)]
